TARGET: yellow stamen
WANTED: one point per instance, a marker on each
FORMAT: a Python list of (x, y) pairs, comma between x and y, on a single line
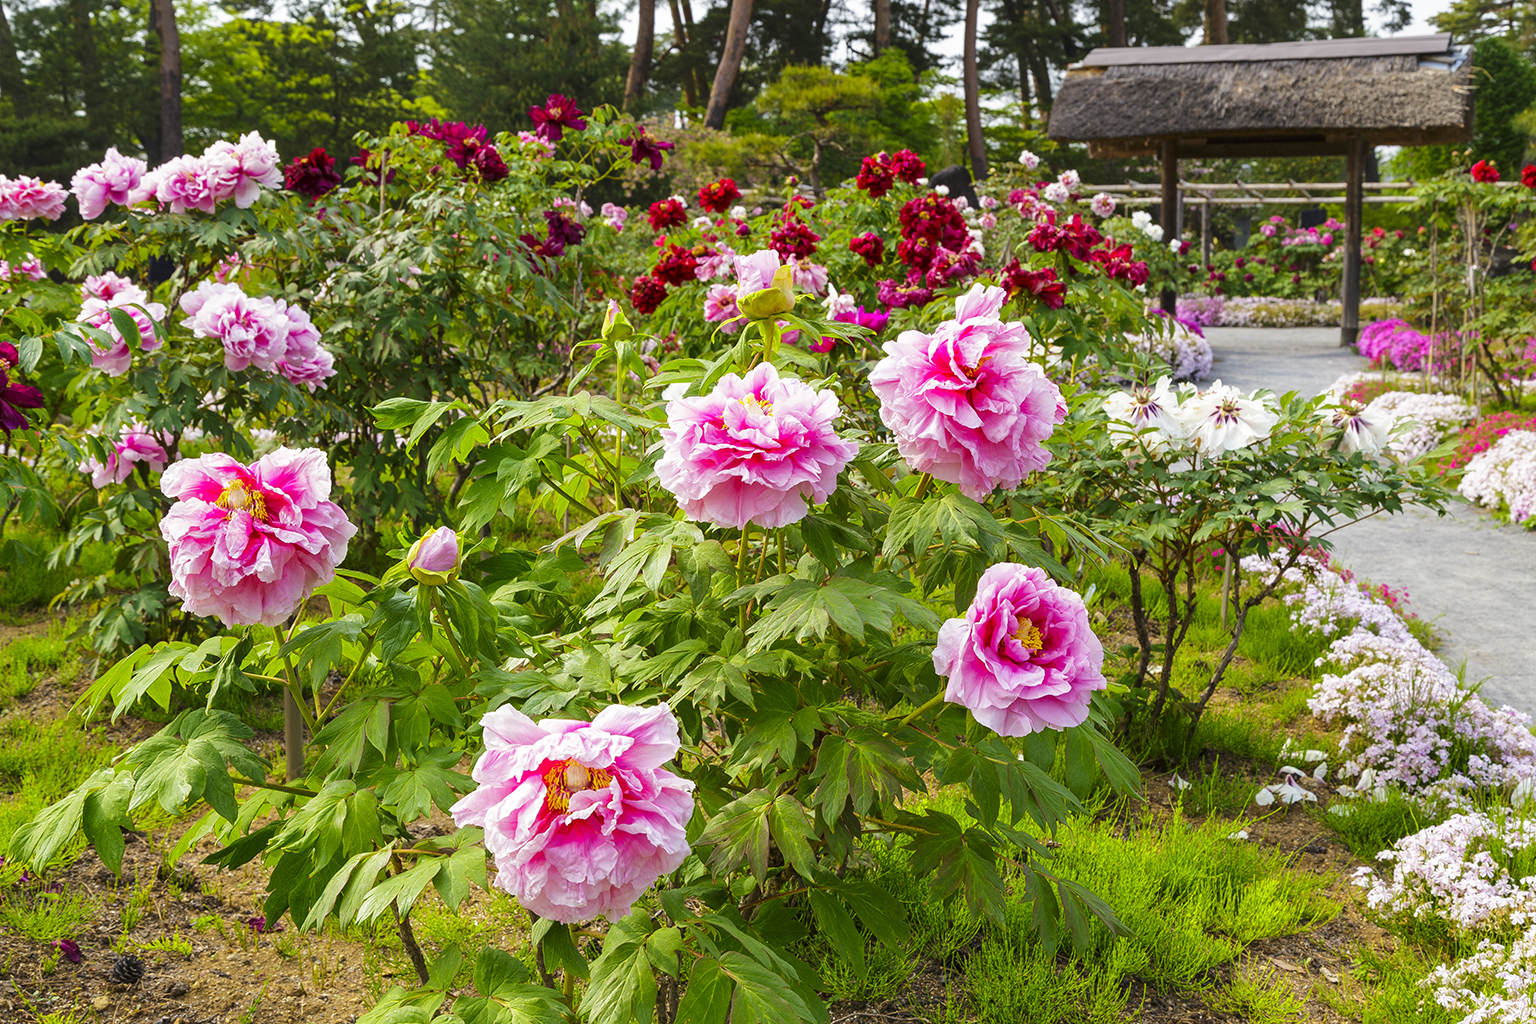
[(1031, 638), (751, 400), (568, 777), (238, 498)]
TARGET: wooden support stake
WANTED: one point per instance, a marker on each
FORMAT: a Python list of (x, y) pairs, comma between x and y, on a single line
[(1354, 209)]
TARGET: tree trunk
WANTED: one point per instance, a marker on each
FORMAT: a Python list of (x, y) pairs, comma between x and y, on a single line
[(90, 68), (695, 74), (730, 63), (1117, 22), (170, 78), (640, 60), (1024, 112), (1216, 22), (977, 144), (680, 44), (1042, 76), (13, 84), (882, 26)]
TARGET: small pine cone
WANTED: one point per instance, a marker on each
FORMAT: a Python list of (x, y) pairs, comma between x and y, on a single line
[(127, 970)]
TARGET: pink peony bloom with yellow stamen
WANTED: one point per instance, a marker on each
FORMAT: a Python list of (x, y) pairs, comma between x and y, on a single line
[(966, 403), (114, 180), (752, 450), (249, 544), (580, 817), (1024, 658), (27, 198)]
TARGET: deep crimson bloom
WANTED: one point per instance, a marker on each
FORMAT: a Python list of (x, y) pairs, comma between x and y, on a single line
[(908, 166), (556, 115), (1046, 237), (1120, 265), (1042, 284), (489, 163), (549, 248), (565, 228), (875, 175), (931, 226), (14, 397), (1527, 178), (678, 266), (647, 294), (669, 213), (717, 198), (313, 175), (795, 240), (642, 148), (896, 296), (1484, 171), (1080, 238), (870, 246)]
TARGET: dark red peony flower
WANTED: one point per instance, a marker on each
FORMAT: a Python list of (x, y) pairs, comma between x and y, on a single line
[(1119, 265), (875, 175), (870, 246), (1042, 284), (1527, 178), (895, 296), (908, 166), (642, 148), (668, 213), (312, 175), (1484, 171), (564, 229), (647, 294), (556, 115), (14, 397), (678, 266), (717, 198), (489, 163), (795, 240)]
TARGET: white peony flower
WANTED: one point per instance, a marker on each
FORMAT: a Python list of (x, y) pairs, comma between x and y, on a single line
[(1071, 179), (1029, 160), (1103, 204), (1151, 409), (1056, 192), (1366, 430), (1221, 419)]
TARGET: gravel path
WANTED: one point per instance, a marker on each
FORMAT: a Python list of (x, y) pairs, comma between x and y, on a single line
[(1471, 576)]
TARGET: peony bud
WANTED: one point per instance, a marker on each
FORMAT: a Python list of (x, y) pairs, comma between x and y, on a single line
[(434, 560), (616, 326), (770, 302)]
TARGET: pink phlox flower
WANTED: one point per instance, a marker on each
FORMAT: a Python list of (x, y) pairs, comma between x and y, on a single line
[(249, 544), (752, 450), (1024, 657), (27, 198), (30, 267), (966, 403), (534, 146), (114, 180), (253, 330), (137, 443), (245, 166), (580, 817), (116, 357)]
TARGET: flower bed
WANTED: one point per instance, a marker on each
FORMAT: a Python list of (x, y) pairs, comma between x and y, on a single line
[(1269, 311)]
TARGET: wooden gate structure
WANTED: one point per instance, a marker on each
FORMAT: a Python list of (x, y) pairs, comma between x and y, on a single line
[(1329, 97)]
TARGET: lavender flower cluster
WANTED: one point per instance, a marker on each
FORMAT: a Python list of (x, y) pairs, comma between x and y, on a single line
[(1460, 870), (1186, 351)]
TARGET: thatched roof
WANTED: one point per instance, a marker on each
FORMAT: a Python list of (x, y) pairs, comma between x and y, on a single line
[(1273, 100)]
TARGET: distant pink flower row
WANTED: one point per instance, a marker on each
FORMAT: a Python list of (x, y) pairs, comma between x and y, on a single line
[(226, 170)]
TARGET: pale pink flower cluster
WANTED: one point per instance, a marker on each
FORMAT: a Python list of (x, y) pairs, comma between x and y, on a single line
[(538, 149), (27, 198), (755, 449), (31, 268), (966, 403), (580, 817), (1458, 870), (1188, 355), (249, 544), (116, 179), (809, 277), (1503, 478), (615, 215), (718, 262), (1495, 985), (1431, 418), (96, 310), (1024, 658), (136, 444), (258, 331)]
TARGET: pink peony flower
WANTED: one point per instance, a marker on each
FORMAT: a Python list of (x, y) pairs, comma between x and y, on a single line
[(190, 183), (433, 558), (116, 357), (304, 362), (580, 817), (114, 180), (1024, 658), (720, 306), (29, 198), (752, 450), (966, 403), (254, 331), (615, 215), (249, 544), (810, 277), (137, 444), (243, 167)]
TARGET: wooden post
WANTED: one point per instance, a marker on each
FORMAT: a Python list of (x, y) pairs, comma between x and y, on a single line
[(1354, 210), (1205, 231), (1169, 153)]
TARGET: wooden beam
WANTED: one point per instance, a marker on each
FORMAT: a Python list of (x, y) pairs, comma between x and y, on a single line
[(1354, 209), (1170, 210)]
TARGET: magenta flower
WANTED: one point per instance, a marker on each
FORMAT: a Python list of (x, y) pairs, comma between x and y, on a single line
[(245, 166), (114, 180), (253, 331), (556, 115), (752, 450), (116, 357), (1024, 658), (966, 403), (14, 396), (435, 558), (28, 198), (249, 544), (643, 148), (580, 817), (136, 444)]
